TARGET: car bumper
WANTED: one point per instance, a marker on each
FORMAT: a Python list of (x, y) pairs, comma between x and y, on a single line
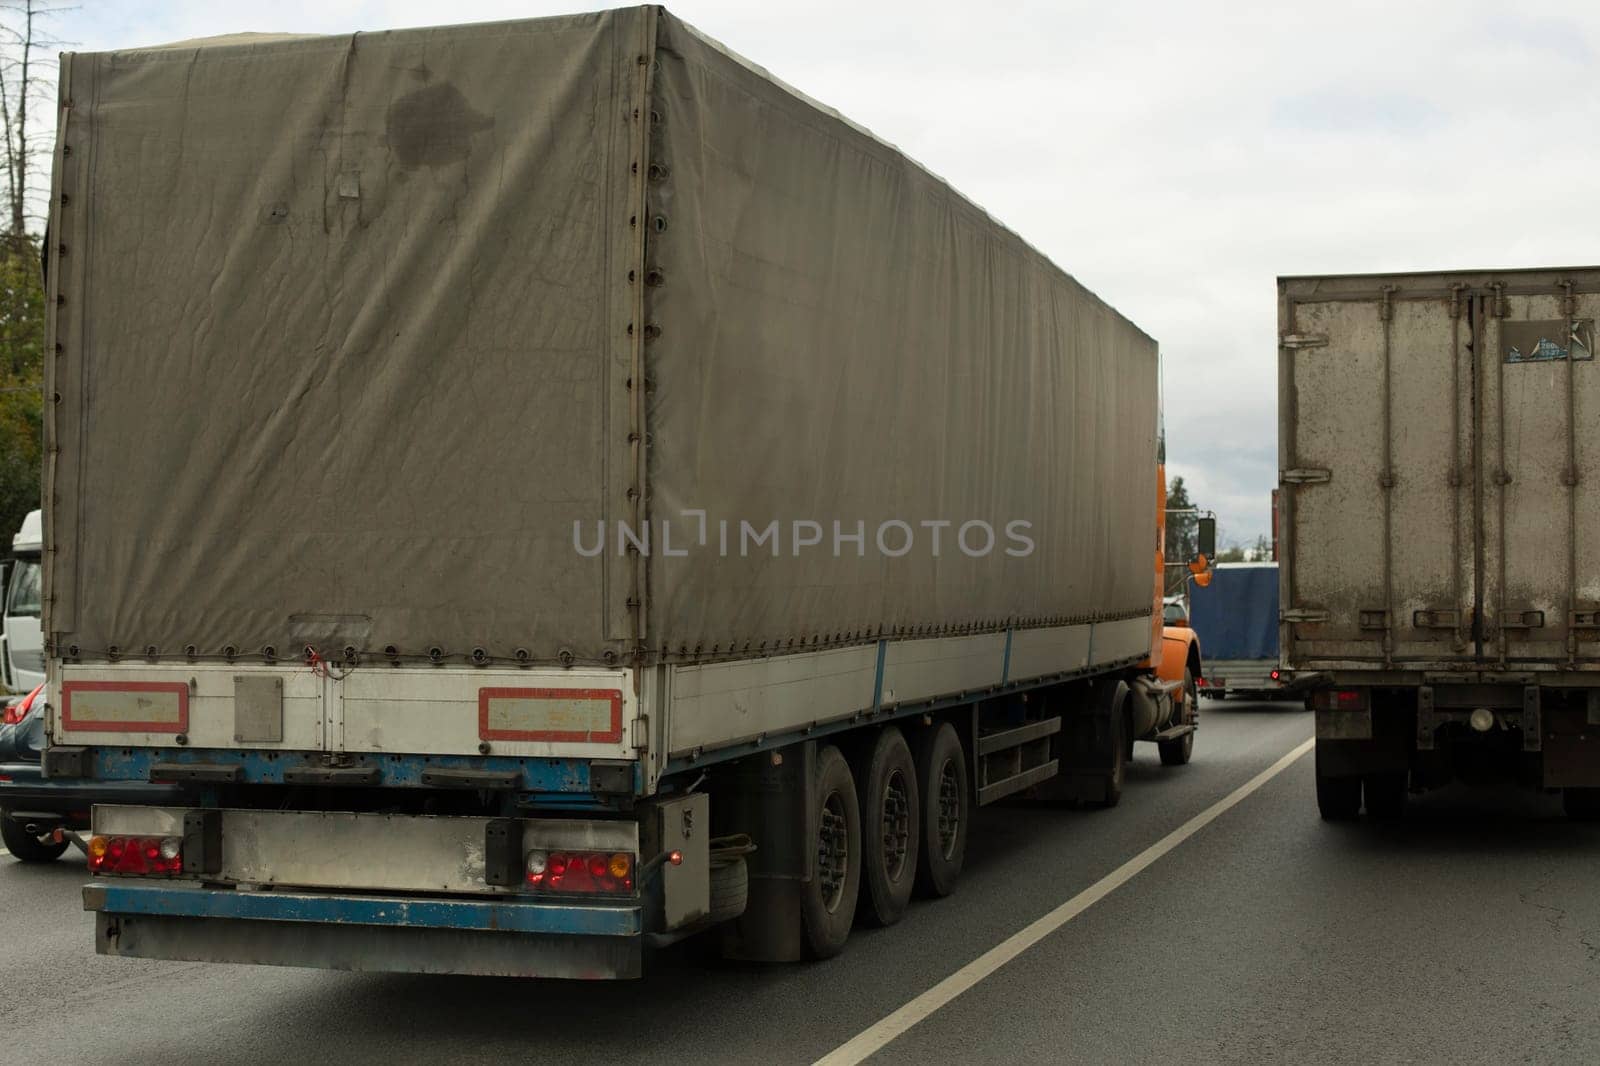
[(23, 787)]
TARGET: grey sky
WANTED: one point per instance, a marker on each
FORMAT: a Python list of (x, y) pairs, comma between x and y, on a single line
[(1173, 157)]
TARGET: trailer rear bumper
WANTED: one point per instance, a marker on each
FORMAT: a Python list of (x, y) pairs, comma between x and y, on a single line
[(370, 933)]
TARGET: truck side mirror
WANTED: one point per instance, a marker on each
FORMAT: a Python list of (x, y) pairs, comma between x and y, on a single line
[(1207, 537)]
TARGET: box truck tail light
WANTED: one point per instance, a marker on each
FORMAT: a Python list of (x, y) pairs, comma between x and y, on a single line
[(1340, 699), (136, 855), (580, 871), (1275, 675)]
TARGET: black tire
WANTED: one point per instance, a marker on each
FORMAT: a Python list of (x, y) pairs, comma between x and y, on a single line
[(942, 785), (1385, 794), (1179, 752), (1338, 798), (24, 846), (828, 899), (1581, 804), (1121, 745), (891, 824)]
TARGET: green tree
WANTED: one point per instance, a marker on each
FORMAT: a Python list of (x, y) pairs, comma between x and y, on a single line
[(26, 89), (21, 372), (1181, 528), (1182, 534)]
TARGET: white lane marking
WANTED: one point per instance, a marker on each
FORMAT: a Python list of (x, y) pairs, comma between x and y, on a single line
[(875, 1037)]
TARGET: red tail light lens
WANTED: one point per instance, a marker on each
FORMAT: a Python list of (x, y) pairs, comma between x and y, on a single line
[(16, 712), (136, 855), (1275, 675), (587, 872), (1341, 699)]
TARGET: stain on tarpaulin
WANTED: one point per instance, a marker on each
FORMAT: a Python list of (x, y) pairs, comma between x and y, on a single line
[(1543, 342), (433, 126)]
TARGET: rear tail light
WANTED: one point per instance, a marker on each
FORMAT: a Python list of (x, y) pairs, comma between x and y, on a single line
[(1340, 699), (16, 712), (587, 872), (1275, 675), (136, 855)]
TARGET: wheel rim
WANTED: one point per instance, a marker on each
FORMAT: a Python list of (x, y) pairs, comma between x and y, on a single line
[(949, 808), (833, 856), (896, 825)]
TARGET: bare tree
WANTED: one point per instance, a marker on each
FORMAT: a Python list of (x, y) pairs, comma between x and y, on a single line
[(27, 79)]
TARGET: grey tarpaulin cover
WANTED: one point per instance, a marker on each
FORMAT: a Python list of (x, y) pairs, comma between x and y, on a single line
[(353, 330)]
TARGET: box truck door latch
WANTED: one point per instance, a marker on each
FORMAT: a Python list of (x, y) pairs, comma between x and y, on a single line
[(1309, 475), (1303, 340), (1436, 618), (1305, 615)]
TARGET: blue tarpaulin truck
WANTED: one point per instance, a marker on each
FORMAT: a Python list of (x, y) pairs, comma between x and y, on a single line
[(1236, 617)]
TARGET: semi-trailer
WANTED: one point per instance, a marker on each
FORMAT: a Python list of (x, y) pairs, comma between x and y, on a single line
[(546, 488), (1440, 562)]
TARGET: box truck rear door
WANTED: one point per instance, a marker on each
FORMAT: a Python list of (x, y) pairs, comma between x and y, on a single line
[(1540, 460), (1375, 384)]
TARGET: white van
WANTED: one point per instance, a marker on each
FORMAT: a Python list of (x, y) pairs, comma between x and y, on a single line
[(24, 641)]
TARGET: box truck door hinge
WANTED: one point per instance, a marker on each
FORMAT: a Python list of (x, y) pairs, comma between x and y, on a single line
[(1306, 475), (1305, 614), (1303, 340), (641, 732)]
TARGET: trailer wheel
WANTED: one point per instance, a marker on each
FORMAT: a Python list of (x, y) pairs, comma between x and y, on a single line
[(828, 900), (1338, 798), (945, 798), (1386, 795), (1121, 725), (1581, 804), (1179, 752), (24, 846), (891, 822)]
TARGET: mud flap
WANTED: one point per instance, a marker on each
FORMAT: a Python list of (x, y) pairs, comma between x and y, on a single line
[(1085, 746), (771, 801)]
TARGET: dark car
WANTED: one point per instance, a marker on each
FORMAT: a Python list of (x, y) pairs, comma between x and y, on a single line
[(32, 807)]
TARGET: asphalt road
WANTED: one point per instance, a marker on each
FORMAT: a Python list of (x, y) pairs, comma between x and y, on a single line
[(1468, 932)]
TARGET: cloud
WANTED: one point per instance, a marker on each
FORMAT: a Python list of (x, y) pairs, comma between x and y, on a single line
[(1176, 158)]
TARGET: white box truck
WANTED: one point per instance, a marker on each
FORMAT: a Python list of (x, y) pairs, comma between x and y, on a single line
[(1440, 562)]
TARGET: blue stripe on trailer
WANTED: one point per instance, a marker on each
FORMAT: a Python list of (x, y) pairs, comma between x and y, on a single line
[(573, 919), (565, 780), (877, 683)]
